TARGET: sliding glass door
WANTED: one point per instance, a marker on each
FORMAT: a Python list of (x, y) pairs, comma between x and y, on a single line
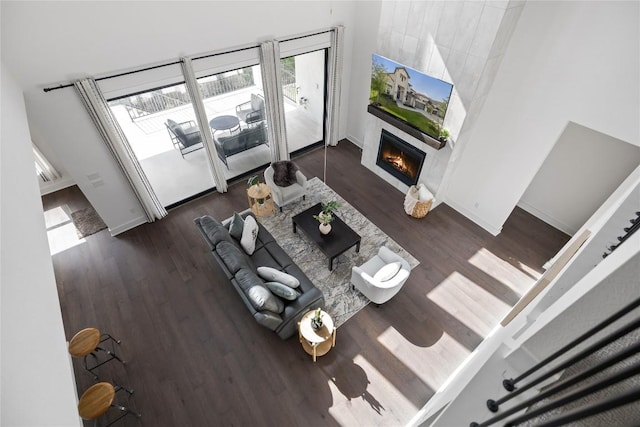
[(303, 87), (235, 106), (161, 128)]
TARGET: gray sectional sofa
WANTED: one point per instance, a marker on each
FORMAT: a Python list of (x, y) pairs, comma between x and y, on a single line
[(241, 268)]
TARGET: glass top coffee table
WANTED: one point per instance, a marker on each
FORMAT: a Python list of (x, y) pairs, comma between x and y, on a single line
[(338, 241)]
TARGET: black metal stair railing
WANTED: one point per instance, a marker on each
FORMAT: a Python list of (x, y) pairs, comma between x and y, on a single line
[(635, 225), (510, 384)]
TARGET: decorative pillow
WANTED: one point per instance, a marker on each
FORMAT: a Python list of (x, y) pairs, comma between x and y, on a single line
[(273, 275), (282, 291), (284, 173), (262, 299), (249, 235), (424, 194), (237, 226), (388, 271)]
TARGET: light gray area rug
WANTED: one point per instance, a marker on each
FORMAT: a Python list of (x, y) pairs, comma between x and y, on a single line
[(87, 222), (341, 302)]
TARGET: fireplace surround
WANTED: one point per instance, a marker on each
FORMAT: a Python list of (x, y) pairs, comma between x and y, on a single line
[(399, 158)]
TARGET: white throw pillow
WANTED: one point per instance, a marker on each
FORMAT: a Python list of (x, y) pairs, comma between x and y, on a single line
[(388, 271), (273, 275), (249, 235), (424, 194)]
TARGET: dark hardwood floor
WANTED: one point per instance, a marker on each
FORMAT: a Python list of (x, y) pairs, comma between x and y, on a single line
[(195, 357)]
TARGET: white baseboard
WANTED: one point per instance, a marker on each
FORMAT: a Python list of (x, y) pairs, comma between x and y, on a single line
[(473, 217), (128, 225), (56, 185), (554, 222), (356, 141)]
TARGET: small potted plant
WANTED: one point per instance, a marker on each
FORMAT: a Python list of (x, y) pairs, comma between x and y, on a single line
[(316, 320), (255, 180), (326, 216), (444, 135)]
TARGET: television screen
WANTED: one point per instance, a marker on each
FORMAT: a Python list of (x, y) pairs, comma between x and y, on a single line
[(408, 95)]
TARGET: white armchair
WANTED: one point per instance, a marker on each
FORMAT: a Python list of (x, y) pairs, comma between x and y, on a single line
[(365, 279), (285, 195)]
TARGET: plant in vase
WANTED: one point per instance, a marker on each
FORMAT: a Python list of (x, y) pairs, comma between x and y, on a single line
[(326, 216), (255, 180), (316, 320), (444, 134)]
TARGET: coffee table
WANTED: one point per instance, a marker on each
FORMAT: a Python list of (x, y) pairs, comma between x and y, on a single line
[(229, 123), (338, 241)]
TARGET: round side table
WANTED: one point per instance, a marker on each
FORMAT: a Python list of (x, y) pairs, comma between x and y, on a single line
[(317, 342), (260, 200)]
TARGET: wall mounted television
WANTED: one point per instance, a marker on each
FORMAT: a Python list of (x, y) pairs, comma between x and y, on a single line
[(409, 99)]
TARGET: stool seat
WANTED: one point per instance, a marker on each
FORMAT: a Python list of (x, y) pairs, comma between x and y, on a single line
[(96, 401), (84, 342), (89, 342)]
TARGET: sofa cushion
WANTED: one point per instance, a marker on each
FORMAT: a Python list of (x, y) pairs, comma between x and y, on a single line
[(282, 291), (215, 231), (249, 235), (388, 271), (247, 278), (233, 257), (284, 173), (262, 299), (236, 226), (273, 275)]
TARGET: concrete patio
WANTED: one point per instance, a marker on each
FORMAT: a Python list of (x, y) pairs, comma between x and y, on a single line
[(175, 178)]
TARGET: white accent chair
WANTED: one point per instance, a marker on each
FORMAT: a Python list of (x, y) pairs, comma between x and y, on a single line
[(285, 195), (378, 292)]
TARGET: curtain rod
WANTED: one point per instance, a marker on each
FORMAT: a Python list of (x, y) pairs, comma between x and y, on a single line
[(62, 86)]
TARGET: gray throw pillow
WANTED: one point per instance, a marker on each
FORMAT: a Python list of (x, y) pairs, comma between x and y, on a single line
[(262, 299), (236, 226), (270, 274), (283, 291)]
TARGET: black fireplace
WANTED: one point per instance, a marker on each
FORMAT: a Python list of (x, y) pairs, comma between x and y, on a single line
[(400, 158)]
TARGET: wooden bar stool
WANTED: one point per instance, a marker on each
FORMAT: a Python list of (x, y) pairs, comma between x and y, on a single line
[(97, 400), (87, 342)]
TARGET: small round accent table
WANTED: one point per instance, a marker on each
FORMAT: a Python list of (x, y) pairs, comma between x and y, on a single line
[(260, 200), (225, 123), (317, 342)]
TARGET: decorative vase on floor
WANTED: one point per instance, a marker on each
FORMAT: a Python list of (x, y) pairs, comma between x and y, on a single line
[(324, 228)]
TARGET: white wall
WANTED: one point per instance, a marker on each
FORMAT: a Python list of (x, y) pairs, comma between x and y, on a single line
[(583, 68), (571, 185), (42, 44), (459, 42), (37, 380)]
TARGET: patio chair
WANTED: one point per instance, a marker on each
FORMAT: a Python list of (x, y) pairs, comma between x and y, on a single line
[(185, 136), (252, 111)]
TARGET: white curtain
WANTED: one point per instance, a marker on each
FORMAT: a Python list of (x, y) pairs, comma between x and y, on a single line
[(215, 165), (117, 142), (272, 83), (333, 85), (45, 170)]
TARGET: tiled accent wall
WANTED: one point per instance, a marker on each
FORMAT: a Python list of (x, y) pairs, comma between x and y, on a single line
[(461, 42)]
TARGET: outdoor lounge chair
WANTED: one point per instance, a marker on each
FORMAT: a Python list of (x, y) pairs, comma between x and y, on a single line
[(185, 136)]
